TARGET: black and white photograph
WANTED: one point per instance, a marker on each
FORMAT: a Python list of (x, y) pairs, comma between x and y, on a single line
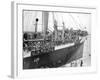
[(52, 40), (55, 39)]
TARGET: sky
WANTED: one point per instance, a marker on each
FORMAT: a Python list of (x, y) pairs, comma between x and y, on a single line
[(72, 20)]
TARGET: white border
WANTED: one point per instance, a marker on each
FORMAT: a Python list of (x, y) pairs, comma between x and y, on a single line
[(17, 70)]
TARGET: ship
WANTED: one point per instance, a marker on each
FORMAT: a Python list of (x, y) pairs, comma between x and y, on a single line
[(52, 49)]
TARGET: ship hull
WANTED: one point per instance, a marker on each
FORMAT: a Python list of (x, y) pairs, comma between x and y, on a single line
[(54, 59)]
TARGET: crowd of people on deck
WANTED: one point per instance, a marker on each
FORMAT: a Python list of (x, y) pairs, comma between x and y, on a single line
[(35, 43)]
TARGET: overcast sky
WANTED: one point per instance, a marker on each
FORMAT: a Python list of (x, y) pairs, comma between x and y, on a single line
[(71, 20)]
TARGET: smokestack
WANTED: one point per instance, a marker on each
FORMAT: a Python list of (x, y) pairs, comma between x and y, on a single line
[(45, 22)]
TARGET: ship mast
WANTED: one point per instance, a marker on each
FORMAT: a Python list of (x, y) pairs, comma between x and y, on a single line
[(55, 27), (36, 21), (36, 24), (63, 31)]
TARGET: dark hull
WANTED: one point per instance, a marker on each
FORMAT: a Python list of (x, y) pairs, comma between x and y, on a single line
[(55, 59)]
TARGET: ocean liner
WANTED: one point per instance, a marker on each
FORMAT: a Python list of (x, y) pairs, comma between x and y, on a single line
[(51, 49)]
